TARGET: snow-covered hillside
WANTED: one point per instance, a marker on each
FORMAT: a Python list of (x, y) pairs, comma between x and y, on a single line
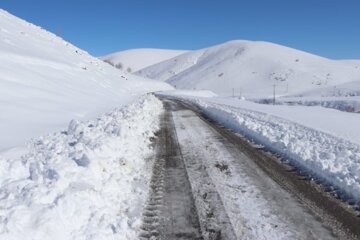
[(45, 82), (252, 68), (136, 59)]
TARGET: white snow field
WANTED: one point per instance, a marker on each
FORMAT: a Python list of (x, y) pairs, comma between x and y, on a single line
[(322, 142), (344, 97), (88, 182), (137, 59), (85, 178), (346, 104), (45, 82), (254, 67)]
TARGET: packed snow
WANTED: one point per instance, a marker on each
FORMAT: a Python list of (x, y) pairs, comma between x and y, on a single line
[(45, 82), (324, 143), (89, 181), (136, 59), (255, 206)]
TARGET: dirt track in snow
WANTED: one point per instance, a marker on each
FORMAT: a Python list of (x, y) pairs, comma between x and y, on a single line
[(209, 183)]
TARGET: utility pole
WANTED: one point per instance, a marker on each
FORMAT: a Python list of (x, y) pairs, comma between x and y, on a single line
[(233, 92), (274, 86), (240, 95)]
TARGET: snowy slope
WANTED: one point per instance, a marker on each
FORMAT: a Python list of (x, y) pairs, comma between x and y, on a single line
[(253, 67), (45, 82), (137, 59)]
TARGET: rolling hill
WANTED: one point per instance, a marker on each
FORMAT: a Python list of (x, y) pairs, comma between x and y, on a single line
[(136, 59), (252, 69)]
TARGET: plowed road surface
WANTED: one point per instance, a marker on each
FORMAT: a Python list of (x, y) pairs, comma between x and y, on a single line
[(210, 183)]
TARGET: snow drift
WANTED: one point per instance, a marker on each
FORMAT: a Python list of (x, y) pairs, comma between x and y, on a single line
[(45, 82)]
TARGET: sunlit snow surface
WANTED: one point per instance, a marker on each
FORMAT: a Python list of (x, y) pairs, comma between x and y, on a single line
[(137, 59), (251, 68), (45, 82), (323, 142), (88, 181), (87, 176)]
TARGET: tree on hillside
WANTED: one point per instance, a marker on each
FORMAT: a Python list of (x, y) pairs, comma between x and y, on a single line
[(108, 61), (119, 66)]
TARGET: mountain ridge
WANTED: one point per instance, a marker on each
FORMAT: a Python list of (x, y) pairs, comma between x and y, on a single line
[(138, 58), (254, 67)]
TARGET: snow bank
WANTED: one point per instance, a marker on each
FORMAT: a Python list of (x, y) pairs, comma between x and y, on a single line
[(87, 182), (45, 81), (322, 155), (308, 142)]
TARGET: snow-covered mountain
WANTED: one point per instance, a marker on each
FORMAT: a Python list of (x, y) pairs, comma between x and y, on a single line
[(252, 68), (45, 82), (136, 59)]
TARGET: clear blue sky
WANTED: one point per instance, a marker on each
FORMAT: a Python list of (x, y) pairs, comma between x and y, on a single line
[(329, 28)]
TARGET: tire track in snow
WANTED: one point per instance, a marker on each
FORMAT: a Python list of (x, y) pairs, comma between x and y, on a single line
[(170, 212), (336, 217)]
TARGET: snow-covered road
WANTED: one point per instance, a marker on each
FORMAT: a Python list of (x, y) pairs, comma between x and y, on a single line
[(170, 212), (234, 197)]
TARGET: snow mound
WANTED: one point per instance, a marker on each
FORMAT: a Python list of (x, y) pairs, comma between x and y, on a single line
[(87, 182), (45, 81), (322, 155), (136, 59), (251, 69)]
